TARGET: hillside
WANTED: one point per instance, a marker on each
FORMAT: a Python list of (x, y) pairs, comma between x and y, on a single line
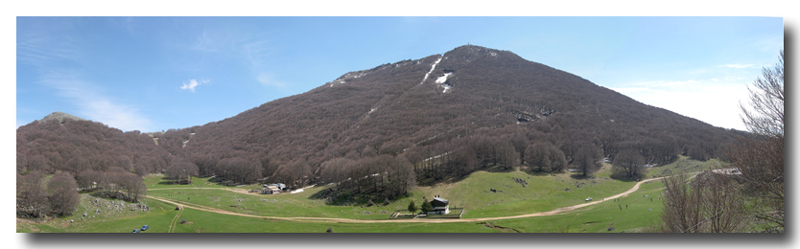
[(421, 121), (467, 107), (64, 142)]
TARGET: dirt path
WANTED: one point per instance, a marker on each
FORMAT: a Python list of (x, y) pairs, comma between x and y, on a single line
[(235, 190), (346, 220), (174, 223)]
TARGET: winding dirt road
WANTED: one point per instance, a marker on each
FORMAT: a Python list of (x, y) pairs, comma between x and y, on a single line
[(346, 220)]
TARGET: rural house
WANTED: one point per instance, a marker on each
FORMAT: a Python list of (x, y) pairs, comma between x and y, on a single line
[(440, 206), (271, 189)]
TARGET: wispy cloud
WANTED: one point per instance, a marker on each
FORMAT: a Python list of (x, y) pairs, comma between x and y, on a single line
[(93, 104), (740, 66), (192, 84), (257, 53), (204, 43), (41, 49)]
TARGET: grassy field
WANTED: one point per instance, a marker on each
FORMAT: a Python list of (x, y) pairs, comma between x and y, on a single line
[(542, 193)]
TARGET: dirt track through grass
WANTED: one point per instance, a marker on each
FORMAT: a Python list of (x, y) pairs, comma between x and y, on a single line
[(346, 220), (174, 223)]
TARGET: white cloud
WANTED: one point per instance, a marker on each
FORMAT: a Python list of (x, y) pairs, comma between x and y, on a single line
[(714, 101), (92, 104), (192, 84)]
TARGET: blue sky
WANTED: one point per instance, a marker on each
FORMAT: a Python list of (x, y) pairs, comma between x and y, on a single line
[(157, 73)]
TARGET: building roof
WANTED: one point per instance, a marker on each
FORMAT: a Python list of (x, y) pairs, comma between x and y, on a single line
[(437, 200)]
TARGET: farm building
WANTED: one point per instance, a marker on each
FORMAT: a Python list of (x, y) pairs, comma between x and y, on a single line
[(270, 189), (440, 206)]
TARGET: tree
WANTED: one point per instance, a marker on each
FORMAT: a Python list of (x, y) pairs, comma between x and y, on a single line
[(182, 169), (710, 203), (767, 103), (520, 143), (31, 196), (630, 163), (63, 193), (294, 173), (426, 207), (681, 205), (587, 158), (133, 185), (412, 207), (545, 157), (760, 158)]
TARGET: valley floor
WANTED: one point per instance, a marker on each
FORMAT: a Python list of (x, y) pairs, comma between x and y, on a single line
[(543, 206)]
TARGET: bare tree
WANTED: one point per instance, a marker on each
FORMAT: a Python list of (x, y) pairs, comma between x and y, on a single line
[(63, 193), (760, 158), (681, 205), (133, 185), (629, 162), (587, 158), (767, 102), (709, 203), (723, 202), (545, 157), (182, 169), (31, 197)]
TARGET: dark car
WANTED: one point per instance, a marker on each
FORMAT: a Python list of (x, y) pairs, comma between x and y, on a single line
[(145, 227)]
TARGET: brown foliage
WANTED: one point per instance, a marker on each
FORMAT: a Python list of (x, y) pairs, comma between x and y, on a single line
[(712, 203), (31, 196), (63, 193), (629, 164)]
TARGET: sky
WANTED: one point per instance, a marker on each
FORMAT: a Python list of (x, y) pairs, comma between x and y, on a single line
[(130, 72), (158, 73)]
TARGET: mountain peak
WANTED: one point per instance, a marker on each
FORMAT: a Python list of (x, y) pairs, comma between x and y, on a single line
[(60, 116)]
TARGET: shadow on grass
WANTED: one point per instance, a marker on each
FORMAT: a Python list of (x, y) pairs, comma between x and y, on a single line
[(581, 176)]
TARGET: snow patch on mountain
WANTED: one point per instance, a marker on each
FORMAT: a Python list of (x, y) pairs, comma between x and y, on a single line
[(443, 81), (443, 78), (432, 68), (446, 88)]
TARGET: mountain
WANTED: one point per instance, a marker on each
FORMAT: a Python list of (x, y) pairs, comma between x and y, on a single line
[(468, 97), (423, 121)]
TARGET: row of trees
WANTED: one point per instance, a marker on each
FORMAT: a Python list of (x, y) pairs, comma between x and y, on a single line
[(116, 182), (381, 176), (35, 198)]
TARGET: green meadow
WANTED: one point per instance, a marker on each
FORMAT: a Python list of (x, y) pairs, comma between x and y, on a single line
[(633, 213)]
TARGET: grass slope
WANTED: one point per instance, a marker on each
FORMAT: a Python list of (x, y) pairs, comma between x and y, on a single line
[(543, 193)]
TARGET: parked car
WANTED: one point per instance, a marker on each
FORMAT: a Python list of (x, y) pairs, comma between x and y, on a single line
[(136, 231), (588, 198), (145, 227)]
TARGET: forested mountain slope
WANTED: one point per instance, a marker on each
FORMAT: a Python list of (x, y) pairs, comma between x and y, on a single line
[(421, 120), (471, 96)]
